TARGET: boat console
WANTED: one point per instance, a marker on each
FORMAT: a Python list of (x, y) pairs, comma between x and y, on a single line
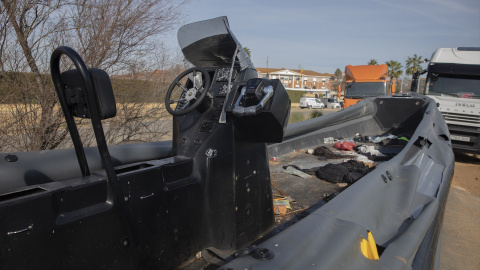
[(212, 191)]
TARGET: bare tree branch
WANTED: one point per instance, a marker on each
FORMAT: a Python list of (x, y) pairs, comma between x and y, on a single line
[(115, 35)]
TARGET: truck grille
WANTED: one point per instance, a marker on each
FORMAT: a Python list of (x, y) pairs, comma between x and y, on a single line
[(465, 128), (467, 119)]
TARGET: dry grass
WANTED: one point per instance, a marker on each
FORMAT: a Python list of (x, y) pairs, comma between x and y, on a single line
[(134, 122), (7, 110)]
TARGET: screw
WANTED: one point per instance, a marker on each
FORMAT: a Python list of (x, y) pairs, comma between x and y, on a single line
[(262, 254), (125, 242)]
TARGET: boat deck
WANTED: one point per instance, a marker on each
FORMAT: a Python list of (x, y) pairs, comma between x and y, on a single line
[(311, 192), (304, 194)]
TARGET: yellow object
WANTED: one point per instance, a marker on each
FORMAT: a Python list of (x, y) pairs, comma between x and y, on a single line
[(280, 206), (282, 202), (279, 209), (369, 248)]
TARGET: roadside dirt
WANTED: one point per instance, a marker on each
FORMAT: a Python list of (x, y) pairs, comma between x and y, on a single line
[(461, 227)]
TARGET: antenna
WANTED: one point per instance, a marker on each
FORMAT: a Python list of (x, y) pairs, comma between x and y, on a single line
[(267, 61)]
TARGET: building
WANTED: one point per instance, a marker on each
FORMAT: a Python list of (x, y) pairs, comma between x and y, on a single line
[(294, 79)]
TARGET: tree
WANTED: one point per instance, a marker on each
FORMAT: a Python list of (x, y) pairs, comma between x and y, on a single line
[(338, 79), (247, 50), (413, 64), (115, 35), (338, 74), (394, 71), (35, 117), (372, 62)]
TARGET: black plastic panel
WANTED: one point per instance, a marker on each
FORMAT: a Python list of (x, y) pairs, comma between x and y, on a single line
[(270, 122), (399, 119)]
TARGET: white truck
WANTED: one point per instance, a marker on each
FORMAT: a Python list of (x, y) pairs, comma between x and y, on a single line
[(453, 81), (331, 103)]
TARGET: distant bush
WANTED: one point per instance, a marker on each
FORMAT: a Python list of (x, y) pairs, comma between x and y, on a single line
[(315, 114), (296, 117), (301, 116), (295, 95)]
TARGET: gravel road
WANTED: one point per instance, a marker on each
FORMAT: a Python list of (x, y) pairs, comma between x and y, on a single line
[(461, 227)]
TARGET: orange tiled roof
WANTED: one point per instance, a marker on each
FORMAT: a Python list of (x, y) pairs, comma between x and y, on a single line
[(305, 72)]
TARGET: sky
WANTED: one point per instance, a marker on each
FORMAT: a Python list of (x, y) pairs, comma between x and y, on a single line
[(323, 35)]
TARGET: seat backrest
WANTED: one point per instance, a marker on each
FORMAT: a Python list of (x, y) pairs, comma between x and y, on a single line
[(102, 88)]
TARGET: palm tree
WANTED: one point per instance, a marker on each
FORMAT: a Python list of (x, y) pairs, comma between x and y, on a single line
[(247, 50), (372, 62), (413, 64), (394, 71)]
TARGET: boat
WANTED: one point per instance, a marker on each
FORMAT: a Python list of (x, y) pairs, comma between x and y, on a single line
[(204, 199)]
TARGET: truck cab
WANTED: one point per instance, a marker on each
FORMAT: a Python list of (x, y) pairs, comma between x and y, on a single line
[(453, 81), (364, 81)]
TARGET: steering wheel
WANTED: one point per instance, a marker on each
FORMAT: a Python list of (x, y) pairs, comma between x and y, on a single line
[(188, 95)]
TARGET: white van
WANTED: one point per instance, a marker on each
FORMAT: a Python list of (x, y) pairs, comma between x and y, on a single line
[(311, 103), (331, 103)]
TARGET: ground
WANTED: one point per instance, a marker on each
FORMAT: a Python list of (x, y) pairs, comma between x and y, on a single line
[(461, 228)]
